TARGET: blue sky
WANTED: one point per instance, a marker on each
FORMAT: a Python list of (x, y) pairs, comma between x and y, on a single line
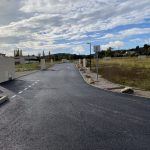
[(67, 25)]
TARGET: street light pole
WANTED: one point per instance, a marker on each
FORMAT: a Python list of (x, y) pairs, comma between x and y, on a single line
[(90, 52)]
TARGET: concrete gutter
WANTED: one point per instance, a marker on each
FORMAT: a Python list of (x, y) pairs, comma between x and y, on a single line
[(3, 99)]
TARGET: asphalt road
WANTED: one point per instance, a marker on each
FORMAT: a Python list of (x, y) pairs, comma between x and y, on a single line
[(57, 110)]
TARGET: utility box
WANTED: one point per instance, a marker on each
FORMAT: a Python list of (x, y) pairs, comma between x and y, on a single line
[(43, 64), (7, 69)]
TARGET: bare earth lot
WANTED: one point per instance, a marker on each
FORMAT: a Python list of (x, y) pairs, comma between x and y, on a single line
[(129, 71)]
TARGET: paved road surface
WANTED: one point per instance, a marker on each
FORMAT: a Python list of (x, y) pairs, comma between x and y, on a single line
[(57, 110)]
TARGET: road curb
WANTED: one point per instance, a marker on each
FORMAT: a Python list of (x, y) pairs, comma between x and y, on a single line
[(32, 72), (3, 99), (26, 74)]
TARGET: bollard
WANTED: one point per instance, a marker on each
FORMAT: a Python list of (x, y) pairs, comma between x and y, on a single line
[(84, 63), (43, 65)]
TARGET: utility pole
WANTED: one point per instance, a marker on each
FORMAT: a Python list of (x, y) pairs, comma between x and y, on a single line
[(97, 64), (90, 52), (97, 50)]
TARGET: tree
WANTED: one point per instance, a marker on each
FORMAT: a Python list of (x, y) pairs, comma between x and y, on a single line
[(148, 51), (145, 49), (137, 47), (146, 46), (17, 53), (49, 55), (108, 52), (43, 54), (20, 53)]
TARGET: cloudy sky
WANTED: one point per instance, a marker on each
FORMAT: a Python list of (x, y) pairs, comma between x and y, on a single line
[(67, 25)]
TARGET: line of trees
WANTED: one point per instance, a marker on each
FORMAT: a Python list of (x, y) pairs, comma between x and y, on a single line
[(18, 53), (145, 50)]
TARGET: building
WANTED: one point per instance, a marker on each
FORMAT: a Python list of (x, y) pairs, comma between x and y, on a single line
[(19, 60), (25, 59), (7, 69), (65, 61), (2, 55)]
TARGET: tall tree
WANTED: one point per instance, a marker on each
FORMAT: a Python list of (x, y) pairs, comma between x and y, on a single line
[(20, 53), (108, 52), (17, 52), (43, 54), (49, 55)]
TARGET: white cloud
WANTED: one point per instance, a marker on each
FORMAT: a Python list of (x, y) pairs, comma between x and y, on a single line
[(140, 41), (115, 44), (134, 31), (78, 49), (40, 24), (108, 36), (127, 33)]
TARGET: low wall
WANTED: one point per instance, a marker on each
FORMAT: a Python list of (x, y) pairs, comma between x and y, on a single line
[(7, 69)]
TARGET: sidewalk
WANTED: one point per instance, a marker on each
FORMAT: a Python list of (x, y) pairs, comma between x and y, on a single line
[(102, 83)]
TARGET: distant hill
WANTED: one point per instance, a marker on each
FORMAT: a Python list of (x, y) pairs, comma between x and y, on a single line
[(145, 50)]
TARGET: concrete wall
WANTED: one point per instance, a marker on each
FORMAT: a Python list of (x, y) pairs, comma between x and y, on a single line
[(7, 69), (19, 60)]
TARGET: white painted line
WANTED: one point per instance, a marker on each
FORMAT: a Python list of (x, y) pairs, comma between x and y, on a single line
[(13, 96), (20, 92), (35, 82), (25, 89), (29, 86)]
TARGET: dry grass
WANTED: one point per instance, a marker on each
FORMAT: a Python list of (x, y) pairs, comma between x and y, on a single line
[(128, 62), (27, 67), (127, 71), (30, 66)]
